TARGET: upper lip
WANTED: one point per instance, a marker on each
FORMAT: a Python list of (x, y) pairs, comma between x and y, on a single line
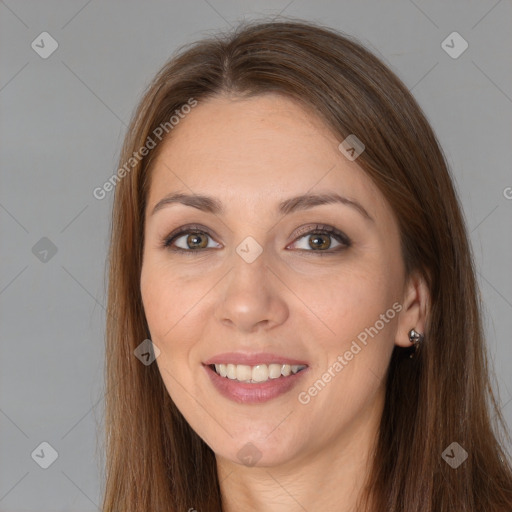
[(252, 359)]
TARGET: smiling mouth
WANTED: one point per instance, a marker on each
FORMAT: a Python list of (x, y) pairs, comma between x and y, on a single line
[(256, 374)]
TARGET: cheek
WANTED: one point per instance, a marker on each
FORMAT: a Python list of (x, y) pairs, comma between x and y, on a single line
[(356, 333), (172, 306), (357, 309), (349, 301), (169, 299)]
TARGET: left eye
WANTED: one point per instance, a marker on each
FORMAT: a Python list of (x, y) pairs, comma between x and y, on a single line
[(320, 240)]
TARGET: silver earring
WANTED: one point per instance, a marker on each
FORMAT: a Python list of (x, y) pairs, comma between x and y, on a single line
[(415, 338)]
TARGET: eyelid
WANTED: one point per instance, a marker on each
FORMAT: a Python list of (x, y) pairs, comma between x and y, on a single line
[(189, 227)]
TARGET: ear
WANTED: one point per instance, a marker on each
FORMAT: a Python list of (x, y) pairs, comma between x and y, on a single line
[(415, 307)]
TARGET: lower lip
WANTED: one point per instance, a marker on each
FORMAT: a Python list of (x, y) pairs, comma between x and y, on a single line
[(247, 393)]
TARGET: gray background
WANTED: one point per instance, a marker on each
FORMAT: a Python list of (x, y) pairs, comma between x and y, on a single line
[(62, 122)]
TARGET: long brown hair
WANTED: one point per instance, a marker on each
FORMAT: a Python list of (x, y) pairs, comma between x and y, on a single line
[(154, 460)]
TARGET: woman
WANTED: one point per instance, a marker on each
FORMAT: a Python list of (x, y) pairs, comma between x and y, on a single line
[(293, 319)]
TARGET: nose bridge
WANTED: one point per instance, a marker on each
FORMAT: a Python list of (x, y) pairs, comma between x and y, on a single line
[(250, 272), (249, 250)]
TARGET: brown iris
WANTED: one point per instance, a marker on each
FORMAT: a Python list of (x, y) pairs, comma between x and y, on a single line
[(193, 238), (316, 237)]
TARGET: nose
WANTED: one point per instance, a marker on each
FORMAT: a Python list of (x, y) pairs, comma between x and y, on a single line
[(253, 297)]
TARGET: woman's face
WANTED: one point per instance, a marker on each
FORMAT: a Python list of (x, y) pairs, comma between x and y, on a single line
[(258, 286)]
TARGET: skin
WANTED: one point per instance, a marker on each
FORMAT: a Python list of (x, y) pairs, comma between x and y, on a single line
[(252, 154)]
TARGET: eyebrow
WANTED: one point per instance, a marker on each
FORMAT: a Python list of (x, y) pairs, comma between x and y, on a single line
[(293, 204)]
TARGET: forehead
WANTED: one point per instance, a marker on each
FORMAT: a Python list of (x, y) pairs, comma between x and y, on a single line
[(258, 149)]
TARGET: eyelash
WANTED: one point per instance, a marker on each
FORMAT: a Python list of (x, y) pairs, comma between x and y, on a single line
[(317, 230)]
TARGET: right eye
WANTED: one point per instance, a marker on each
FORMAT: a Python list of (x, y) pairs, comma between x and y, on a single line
[(191, 240)]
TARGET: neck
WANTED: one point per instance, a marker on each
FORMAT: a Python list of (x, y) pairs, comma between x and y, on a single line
[(330, 477)]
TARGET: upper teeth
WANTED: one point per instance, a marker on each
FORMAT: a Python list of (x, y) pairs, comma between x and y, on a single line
[(258, 373)]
